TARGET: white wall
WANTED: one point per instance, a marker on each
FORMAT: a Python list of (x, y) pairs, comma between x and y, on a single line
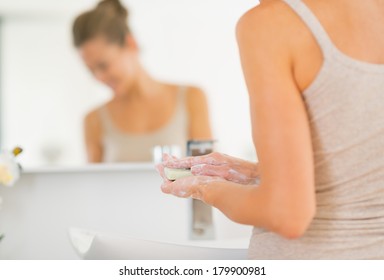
[(47, 90)]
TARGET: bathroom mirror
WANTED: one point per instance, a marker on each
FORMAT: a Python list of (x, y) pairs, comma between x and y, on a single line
[(45, 90)]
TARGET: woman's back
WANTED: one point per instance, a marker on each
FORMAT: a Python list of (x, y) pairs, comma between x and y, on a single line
[(356, 28), (343, 90)]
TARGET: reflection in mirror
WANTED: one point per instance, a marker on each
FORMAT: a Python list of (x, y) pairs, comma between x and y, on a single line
[(47, 89), (143, 112)]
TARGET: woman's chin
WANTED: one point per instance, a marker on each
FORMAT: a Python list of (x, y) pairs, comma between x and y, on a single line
[(120, 91), (119, 94)]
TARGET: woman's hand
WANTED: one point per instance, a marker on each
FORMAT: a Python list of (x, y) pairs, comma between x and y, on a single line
[(217, 165), (192, 186)]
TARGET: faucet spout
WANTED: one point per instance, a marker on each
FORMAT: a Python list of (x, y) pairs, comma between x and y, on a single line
[(201, 225), (202, 221)]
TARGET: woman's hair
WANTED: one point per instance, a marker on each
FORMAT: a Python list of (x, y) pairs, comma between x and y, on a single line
[(108, 19)]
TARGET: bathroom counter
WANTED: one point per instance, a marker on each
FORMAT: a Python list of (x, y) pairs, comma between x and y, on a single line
[(38, 211)]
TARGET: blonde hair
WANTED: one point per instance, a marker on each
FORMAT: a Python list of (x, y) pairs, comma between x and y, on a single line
[(108, 19)]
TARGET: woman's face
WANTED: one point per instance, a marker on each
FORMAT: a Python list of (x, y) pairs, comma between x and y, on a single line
[(111, 64)]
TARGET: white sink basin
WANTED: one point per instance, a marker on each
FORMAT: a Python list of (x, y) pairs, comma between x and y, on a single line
[(96, 245)]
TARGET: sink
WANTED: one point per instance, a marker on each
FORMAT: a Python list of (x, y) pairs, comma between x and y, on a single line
[(90, 244)]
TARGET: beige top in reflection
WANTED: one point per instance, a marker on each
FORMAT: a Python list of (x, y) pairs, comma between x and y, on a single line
[(120, 146), (345, 106)]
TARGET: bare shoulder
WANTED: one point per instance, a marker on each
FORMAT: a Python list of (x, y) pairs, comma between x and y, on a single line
[(270, 22), (92, 118), (194, 92), (195, 96)]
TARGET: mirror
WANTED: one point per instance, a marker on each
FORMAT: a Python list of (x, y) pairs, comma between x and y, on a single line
[(45, 89)]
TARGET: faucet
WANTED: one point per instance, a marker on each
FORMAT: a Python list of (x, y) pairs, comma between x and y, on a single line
[(201, 227), (201, 220)]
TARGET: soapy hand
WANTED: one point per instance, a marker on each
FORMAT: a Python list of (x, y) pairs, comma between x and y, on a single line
[(192, 186), (217, 165)]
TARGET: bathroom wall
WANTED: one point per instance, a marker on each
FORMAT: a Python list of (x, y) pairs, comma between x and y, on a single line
[(46, 90)]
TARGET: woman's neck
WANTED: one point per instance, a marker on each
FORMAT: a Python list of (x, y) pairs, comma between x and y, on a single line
[(144, 87)]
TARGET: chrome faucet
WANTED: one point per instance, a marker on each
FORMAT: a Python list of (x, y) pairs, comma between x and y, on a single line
[(201, 221), (201, 227)]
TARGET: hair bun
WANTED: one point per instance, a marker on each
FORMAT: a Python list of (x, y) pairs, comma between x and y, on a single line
[(108, 19), (114, 7)]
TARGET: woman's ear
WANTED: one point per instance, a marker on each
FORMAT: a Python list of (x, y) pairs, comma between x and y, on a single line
[(131, 43)]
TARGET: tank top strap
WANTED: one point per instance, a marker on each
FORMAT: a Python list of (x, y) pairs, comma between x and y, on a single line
[(314, 25), (182, 97), (105, 119)]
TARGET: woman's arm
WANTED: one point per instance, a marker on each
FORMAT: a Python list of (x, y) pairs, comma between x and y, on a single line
[(284, 202), (280, 124), (92, 135), (199, 124)]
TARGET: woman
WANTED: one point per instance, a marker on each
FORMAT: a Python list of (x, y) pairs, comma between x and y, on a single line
[(143, 112), (315, 76)]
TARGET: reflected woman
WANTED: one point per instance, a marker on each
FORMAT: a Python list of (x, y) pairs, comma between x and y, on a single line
[(143, 112)]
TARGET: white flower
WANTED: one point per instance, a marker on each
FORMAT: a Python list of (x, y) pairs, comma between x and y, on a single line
[(9, 169)]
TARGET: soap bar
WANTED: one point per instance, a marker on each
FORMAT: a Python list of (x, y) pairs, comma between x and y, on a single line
[(173, 174)]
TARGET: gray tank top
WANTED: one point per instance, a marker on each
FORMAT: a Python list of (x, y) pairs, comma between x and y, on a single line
[(120, 146), (345, 105)]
